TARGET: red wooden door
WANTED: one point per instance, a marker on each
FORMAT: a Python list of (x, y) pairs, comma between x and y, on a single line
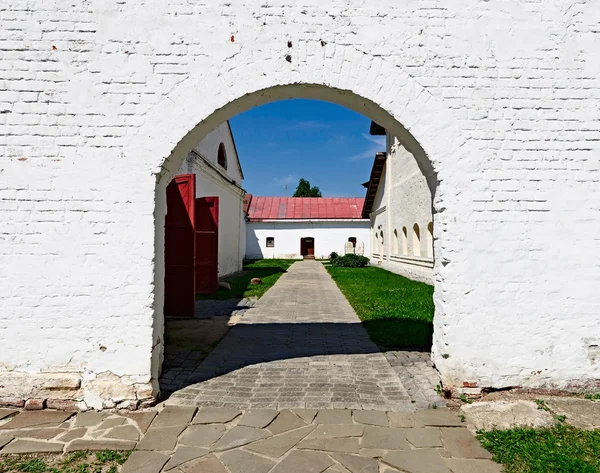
[(207, 245), (180, 300)]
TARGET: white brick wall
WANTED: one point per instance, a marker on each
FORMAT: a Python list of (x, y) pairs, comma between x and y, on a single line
[(101, 102)]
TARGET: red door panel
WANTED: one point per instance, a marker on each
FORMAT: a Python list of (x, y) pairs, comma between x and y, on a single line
[(180, 300), (207, 245)]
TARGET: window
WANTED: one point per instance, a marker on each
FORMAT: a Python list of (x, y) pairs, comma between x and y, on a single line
[(430, 239), (222, 156), (395, 241), (353, 241), (404, 241), (270, 242), (416, 240)]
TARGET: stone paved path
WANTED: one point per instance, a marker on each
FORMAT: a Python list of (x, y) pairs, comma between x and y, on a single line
[(222, 440), (302, 346)]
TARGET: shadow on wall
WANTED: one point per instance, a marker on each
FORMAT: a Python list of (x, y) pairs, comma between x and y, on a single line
[(250, 344)]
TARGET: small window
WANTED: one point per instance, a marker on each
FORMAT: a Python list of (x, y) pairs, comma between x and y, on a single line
[(353, 241), (270, 242), (222, 156)]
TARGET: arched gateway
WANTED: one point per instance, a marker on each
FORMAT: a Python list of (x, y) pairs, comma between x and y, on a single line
[(92, 142)]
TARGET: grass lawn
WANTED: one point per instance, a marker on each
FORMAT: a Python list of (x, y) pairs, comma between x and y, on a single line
[(560, 449), (397, 312), (269, 270)]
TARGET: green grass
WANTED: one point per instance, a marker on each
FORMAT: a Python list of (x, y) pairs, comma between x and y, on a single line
[(269, 270), (560, 449), (397, 312), (106, 461)]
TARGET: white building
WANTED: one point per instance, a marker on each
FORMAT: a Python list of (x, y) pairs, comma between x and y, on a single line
[(216, 164), (305, 227), (398, 203)]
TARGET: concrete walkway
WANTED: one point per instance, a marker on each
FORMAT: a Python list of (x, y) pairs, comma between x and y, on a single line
[(222, 440), (303, 346)]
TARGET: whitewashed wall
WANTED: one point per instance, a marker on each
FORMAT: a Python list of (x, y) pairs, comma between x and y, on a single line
[(210, 182), (100, 105), (403, 200), (329, 236)]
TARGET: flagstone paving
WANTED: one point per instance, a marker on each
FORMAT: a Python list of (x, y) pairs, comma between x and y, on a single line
[(303, 346), (217, 440)]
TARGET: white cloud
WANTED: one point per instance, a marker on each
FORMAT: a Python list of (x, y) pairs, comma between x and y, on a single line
[(377, 144)]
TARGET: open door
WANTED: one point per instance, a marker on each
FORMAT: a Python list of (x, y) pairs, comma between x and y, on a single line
[(207, 245), (180, 300), (307, 247)]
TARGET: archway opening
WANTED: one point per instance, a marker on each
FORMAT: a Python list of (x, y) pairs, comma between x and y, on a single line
[(372, 212)]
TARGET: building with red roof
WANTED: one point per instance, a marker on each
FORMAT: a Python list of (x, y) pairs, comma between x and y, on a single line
[(305, 227)]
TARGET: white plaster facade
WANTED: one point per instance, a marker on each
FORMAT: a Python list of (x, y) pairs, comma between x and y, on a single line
[(101, 103), (212, 179), (401, 217), (329, 236)]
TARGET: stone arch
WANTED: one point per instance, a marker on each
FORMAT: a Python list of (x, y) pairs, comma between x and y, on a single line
[(395, 241), (362, 82), (404, 241), (429, 248)]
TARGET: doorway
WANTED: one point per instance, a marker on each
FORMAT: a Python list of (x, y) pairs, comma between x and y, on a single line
[(307, 247)]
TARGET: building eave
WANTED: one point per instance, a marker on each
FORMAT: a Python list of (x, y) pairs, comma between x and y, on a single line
[(373, 184)]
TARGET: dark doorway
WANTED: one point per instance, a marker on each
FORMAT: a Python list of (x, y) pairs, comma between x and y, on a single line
[(307, 247), (207, 245)]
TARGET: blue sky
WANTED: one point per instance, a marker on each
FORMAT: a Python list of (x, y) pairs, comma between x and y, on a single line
[(281, 142)]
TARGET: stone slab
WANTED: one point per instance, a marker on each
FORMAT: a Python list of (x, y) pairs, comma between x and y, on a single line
[(437, 418), (144, 462), (215, 415), (387, 438), (334, 416), (307, 415), (207, 464), (38, 434), (5, 439), (278, 445), (327, 431), (26, 419), (4, 413), (173, 416), (357, 464), (142, 419), (286, 420), (401, 419), (90, 418), (123, 432), (473, 466), (202, 435), (346, 445), (303, 462), (161, 440), (238, 436), (462, 444), (72, 434), (32, 446), (98, 445), (424, 460), (239, 461), (582, 413), (185, 454), (501, 415), (379, 418), (422, 437), (258, 418), (110, 423)]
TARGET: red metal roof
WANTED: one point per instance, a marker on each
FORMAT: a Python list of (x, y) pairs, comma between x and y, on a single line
[(281, 208)]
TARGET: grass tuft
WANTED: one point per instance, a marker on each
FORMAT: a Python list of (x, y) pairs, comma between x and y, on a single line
[(560, 449)]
